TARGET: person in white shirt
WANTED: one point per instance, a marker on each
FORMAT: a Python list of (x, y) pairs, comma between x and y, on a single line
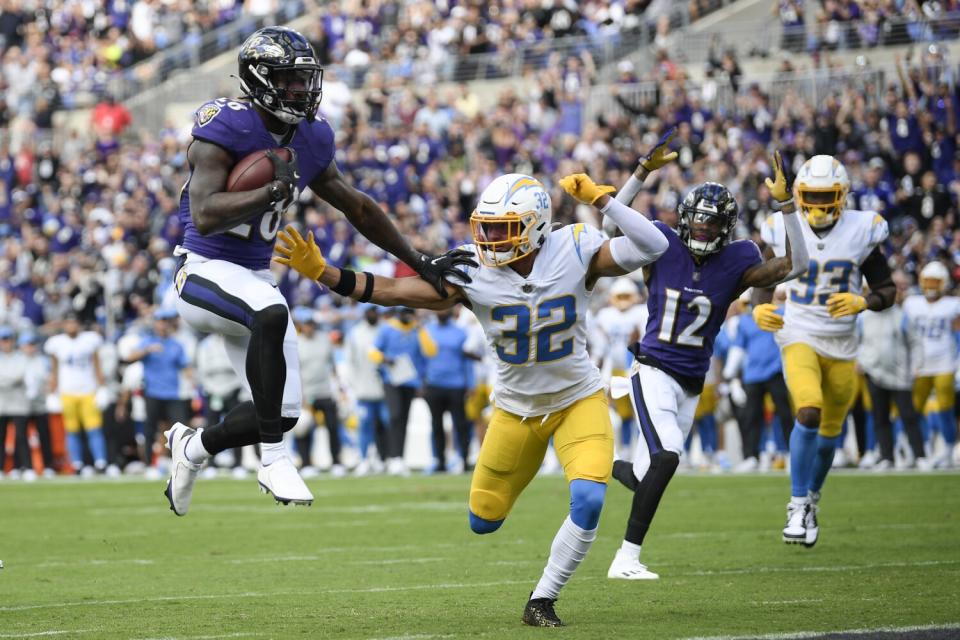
[(367, 386), (13, 404), (76, 375), (36, 379)]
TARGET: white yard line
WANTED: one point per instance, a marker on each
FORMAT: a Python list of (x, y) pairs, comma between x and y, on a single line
[(803, 635), (815, 568), (41, 634)]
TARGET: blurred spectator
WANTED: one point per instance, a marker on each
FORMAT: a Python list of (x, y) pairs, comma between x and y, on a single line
[(319, 377), (367, 386), (885, 359), (401, 346), (222, 391), (164, 360), (447, 378), (36, 380), (14, 406)]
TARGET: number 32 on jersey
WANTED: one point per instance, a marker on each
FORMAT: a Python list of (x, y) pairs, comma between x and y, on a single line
[(559, 314)]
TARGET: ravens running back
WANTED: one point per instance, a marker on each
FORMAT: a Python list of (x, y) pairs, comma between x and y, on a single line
[(530, 293), (223, 282), (691, 286), (816, 334)]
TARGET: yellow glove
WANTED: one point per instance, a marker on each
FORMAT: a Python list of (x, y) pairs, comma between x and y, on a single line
[(661, 155), (581, 187), (841, 305), (779, 188), (767, 318), (303, 256)]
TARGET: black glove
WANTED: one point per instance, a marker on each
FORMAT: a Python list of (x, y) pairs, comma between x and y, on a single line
[(437, 270), (286, 172)]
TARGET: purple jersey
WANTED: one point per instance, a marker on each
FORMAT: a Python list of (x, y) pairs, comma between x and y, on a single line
[(688, 304), (236, 126)]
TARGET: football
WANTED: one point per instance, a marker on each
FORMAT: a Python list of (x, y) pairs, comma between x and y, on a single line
[(254, 170)]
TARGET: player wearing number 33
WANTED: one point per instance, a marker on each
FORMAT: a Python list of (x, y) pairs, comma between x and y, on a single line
[(223, 280), (530, 291), (816, 334), (691, 286)]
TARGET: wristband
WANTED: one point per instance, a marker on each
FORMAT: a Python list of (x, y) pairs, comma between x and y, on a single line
[(778, 205), (347, 283), (367, 288)]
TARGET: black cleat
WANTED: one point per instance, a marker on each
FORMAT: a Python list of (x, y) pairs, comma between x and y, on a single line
[(539, 613), (623, 471)]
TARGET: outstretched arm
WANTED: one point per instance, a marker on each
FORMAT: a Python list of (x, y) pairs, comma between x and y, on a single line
[(642, 242), (776, 270), (304, 257), (370, 220)]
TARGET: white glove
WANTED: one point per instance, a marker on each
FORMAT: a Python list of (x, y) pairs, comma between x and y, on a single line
[(102, 398), (737, 395), (54, 405), (619, 387)]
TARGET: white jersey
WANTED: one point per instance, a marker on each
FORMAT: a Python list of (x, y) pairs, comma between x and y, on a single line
[(933, 345), (835, 261), (75, 373), (619, 327), (535, 326)]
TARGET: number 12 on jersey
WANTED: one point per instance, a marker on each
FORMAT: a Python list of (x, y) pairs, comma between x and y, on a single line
[(688, 336)]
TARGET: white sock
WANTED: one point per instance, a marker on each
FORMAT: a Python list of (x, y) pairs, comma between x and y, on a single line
[(800, 501), (271, 451), (195, 451), (630, 550), (567, 551)]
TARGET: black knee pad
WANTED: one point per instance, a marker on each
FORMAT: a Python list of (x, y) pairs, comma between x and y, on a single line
[(665, 462), (272, 320), (288, 423)]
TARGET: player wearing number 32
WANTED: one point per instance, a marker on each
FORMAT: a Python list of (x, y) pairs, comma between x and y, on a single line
[(691, 286), (223, 282), (816, 334), (530, 293)]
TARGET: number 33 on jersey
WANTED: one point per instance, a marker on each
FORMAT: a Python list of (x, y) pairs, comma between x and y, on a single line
[(835, 261)]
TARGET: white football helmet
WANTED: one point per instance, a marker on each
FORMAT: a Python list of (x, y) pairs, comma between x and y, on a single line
[(934, 279), (821, 189), (512, 219)]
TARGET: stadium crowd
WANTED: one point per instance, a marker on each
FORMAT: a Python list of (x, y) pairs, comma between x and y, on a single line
[(87, 230)]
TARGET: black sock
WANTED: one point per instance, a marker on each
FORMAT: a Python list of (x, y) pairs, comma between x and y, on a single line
[(267, 369), (646, 497), (237, 429)]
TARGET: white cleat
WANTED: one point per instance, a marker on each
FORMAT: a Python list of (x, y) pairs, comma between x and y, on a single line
[(924, 464), (625, 567), (281, 480), (811, 525), (795, 531), (183, 473), (747, 465)]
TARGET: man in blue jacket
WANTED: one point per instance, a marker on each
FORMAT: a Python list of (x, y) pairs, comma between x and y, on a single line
[(402, 346), (757, 352), (447, 379)]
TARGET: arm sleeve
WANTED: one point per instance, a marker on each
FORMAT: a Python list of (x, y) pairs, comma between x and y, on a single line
[(642, 242), (799, 256)]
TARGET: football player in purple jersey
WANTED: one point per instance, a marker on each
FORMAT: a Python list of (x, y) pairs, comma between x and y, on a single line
[(223, 281), (691, 286)]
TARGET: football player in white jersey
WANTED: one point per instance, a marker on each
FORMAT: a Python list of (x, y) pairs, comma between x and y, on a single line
[(932, 318), (530, 293), (816, 333), (622, 323)]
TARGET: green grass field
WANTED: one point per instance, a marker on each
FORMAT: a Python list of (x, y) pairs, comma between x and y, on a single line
[(394, 558)]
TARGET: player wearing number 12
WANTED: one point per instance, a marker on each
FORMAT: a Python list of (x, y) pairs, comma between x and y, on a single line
[(223, 280), (691, 286), (816, 334), (530, 294)]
